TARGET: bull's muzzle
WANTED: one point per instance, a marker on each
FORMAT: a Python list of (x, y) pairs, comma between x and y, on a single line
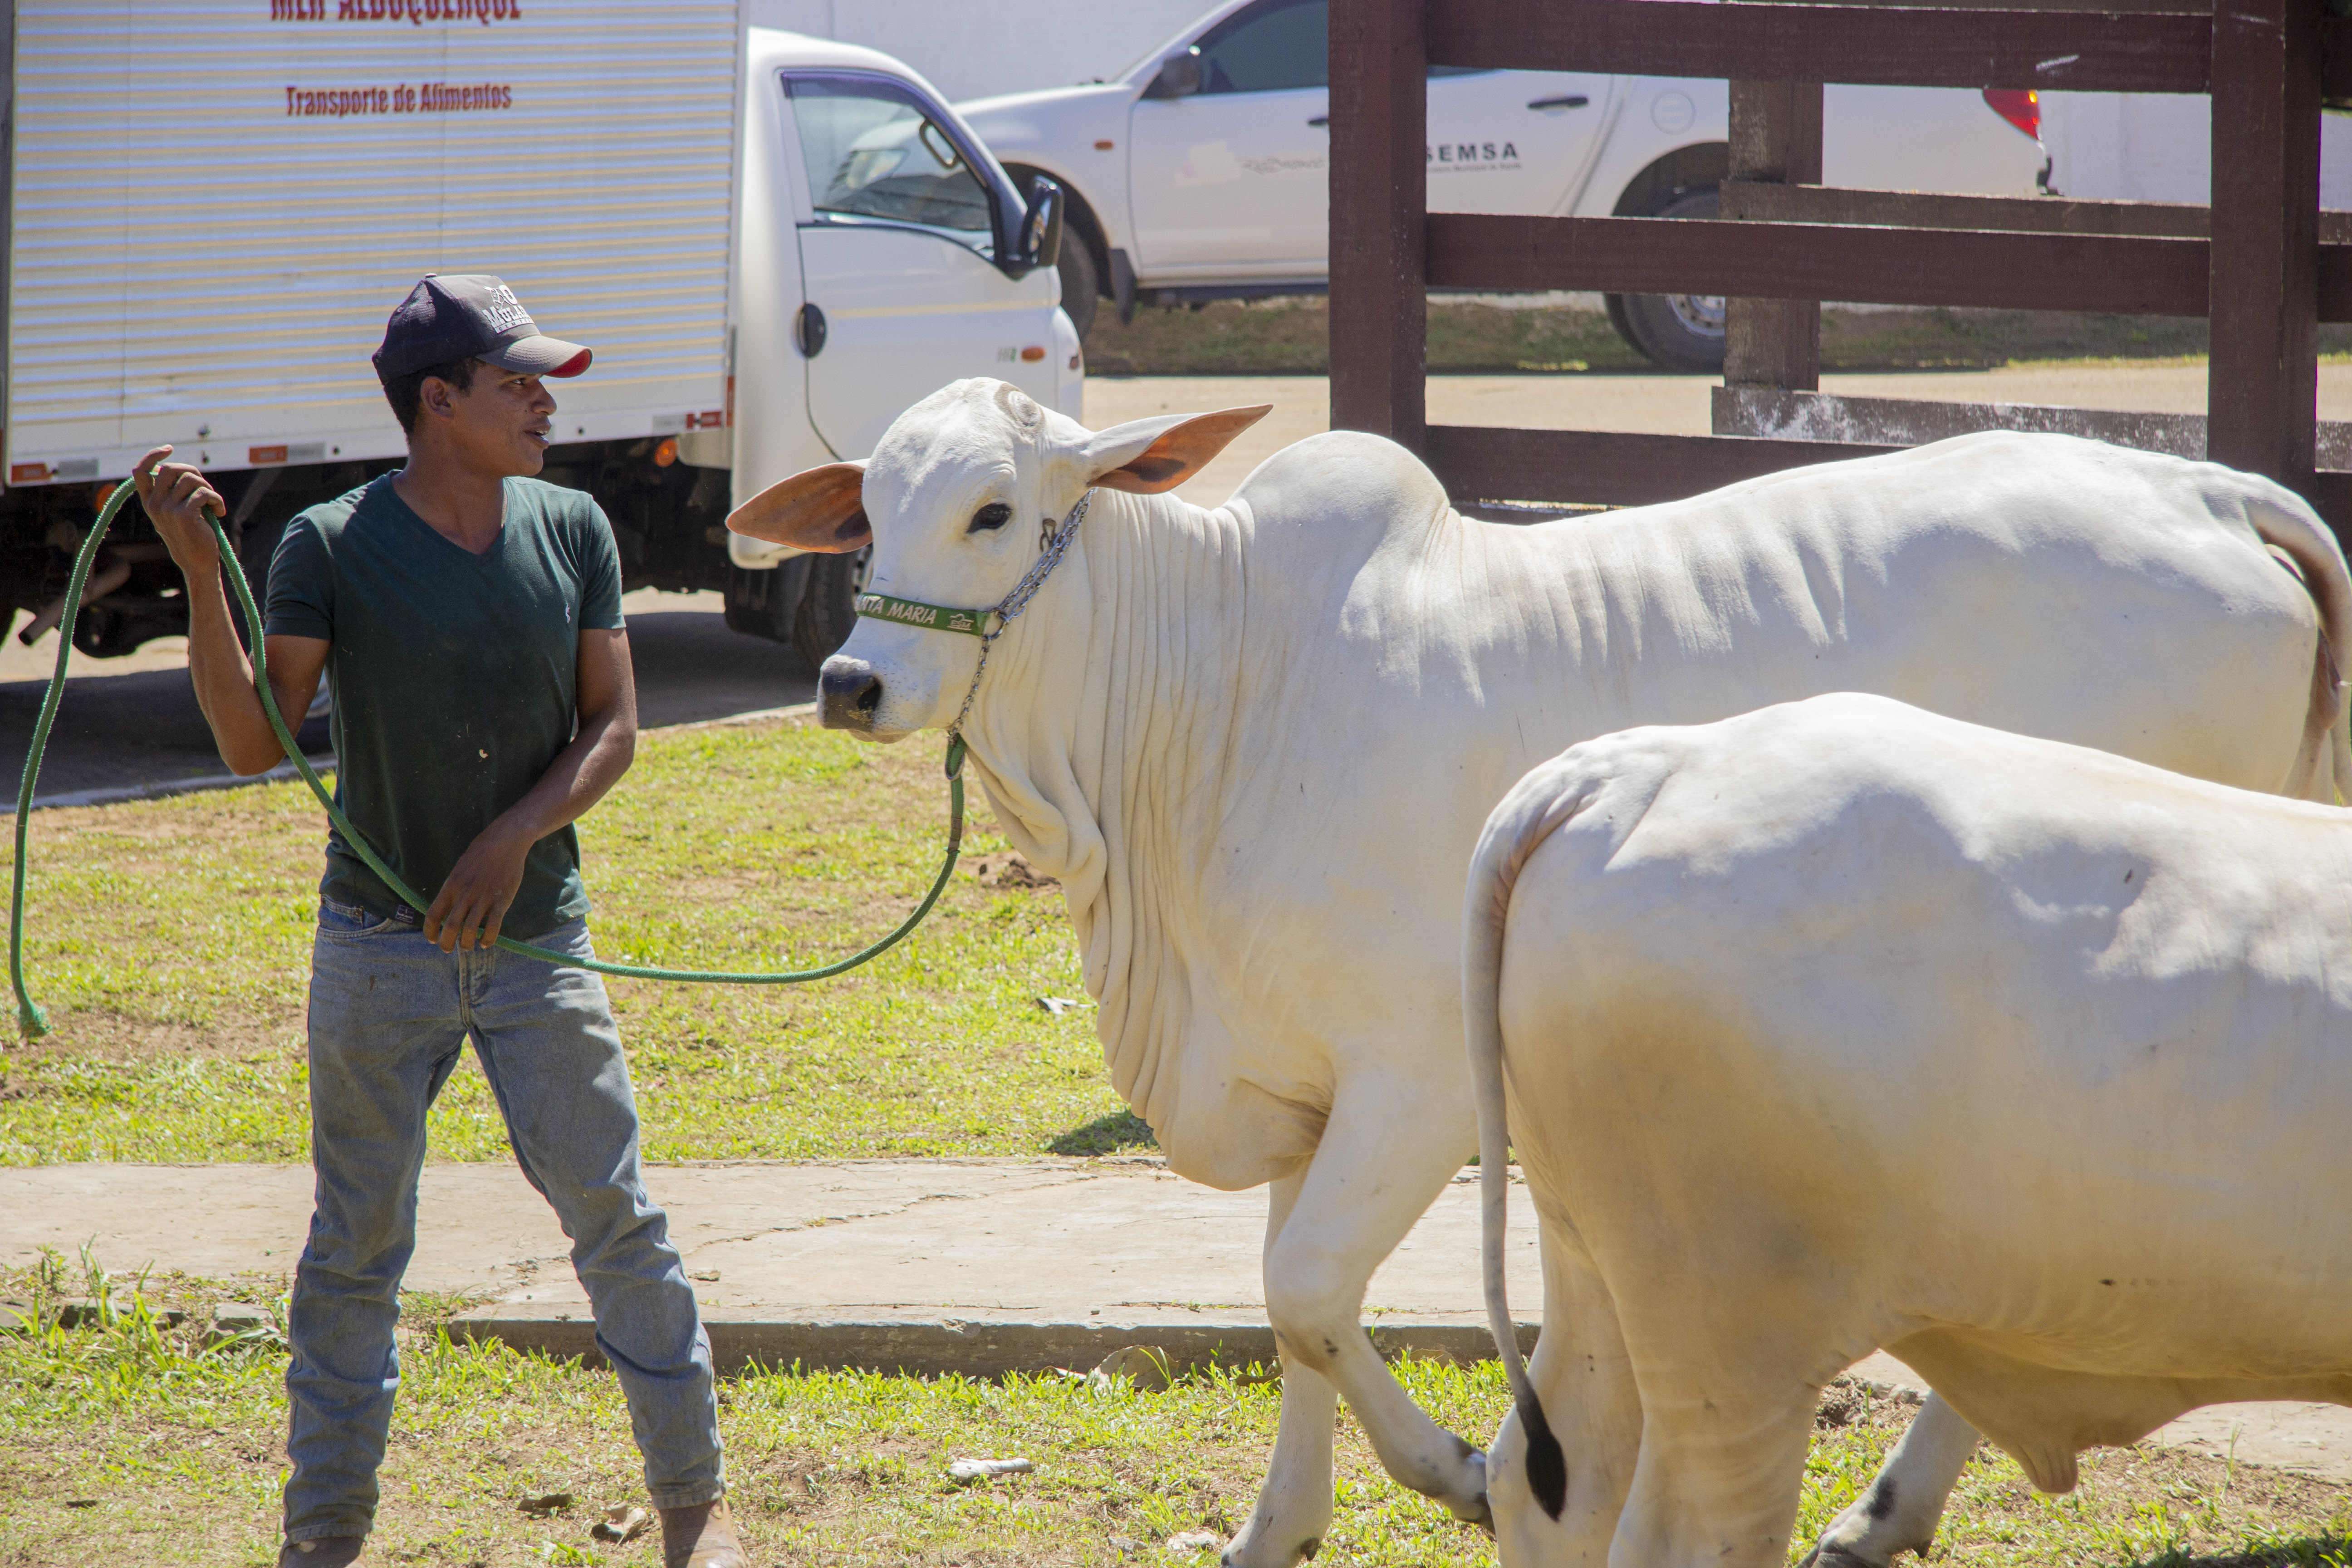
[(848, 693)]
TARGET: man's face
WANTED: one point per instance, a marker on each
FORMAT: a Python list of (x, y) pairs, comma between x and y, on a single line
[(498, 425)]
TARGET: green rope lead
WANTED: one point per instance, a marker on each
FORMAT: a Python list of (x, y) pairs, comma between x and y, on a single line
[(35, 1023)]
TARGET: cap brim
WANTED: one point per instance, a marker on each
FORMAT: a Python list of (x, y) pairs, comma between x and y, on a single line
[(541, 356)]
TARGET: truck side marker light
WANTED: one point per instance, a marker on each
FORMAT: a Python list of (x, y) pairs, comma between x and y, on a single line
[(1031, 355)]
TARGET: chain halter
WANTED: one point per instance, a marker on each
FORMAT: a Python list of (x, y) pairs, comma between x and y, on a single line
[(974, 623)]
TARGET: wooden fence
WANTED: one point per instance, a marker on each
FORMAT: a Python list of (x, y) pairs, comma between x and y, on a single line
[(2255, 263)]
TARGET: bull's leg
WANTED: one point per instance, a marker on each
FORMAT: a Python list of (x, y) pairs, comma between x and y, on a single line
[(1583, 1376), (1294, 1508), (1899, 1511), (1723, 1459), (1386, 1153)]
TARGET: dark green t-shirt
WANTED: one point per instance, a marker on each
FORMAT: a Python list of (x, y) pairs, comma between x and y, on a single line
[(452, 676)]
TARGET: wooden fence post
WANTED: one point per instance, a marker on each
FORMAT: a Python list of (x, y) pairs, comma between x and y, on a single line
[(2263, 380), (1776, 137), (1380, 184)]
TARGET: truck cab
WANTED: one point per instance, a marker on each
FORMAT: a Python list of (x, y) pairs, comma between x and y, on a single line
[(879, 258)]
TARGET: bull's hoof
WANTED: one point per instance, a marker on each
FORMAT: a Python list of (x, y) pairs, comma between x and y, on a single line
[(1304, 1552), (1835, 1557)]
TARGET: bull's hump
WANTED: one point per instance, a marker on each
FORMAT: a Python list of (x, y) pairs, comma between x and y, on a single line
[(1346, 481)]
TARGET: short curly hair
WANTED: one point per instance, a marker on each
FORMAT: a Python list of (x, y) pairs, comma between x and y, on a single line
[(407, 392)]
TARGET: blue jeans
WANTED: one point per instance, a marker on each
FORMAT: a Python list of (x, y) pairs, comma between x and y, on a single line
[(389, 1013)]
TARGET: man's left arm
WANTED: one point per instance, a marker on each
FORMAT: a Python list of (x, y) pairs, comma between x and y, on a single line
[(474, 901)]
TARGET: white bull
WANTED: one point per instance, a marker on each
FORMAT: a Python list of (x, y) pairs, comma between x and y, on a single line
[(1844, 1025), (1256, 744)]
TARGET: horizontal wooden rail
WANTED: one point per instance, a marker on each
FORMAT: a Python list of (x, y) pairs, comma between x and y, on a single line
[(2331, 493), (2127, 274), (2123, 274), (1616, 468), (2075, 51), (1610, 468), (1761, 202)]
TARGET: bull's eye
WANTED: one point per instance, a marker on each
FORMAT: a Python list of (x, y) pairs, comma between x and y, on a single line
[(995, 514)]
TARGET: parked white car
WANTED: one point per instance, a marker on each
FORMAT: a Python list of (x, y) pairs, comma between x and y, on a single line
[(1199, 171)]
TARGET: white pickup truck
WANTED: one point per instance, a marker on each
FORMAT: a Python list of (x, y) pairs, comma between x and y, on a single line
[(213, 206), (1199, 173)]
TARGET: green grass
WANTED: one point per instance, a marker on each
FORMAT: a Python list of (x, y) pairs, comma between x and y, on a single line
[(1291, 337), (127, 1443), (170, 940)]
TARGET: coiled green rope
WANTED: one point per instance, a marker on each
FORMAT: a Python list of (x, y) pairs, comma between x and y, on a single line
[(34, 1022)]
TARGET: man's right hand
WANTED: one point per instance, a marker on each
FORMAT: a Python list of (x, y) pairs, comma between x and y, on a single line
[(176, 498)]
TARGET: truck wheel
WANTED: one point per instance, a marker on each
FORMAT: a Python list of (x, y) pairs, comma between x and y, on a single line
[(828, 611), (1681, 332), (1080, 286)]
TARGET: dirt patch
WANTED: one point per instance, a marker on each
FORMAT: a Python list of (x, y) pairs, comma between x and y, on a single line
[(109, 1037), (1007, 869)]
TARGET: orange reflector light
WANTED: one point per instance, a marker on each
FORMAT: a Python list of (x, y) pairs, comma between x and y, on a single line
[(1031, 355), (667, 453), (1102, 146)]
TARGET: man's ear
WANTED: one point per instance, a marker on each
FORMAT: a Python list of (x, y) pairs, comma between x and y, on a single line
[(1147, 456), (822, 510)]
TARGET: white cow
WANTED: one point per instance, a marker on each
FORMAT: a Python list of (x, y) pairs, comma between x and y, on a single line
[(1256, 744), (1844, 1025)]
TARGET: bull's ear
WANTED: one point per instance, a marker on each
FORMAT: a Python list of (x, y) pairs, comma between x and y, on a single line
[(823, 510), (1149, 456)]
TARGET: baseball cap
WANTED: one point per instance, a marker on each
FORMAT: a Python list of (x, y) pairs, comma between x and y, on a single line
[(471, 317)]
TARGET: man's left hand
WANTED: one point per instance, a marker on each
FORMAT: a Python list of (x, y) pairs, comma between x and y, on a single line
[(474, 899)]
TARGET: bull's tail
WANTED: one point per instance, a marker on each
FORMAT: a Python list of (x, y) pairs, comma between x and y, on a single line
[(1527, 817), (2286, 522)]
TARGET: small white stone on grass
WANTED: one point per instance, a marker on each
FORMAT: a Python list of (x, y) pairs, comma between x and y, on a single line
[(1193, 1541), (965, 1471), (621, 1523)]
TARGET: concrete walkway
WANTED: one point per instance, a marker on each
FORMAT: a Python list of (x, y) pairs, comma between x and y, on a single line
[(929, 1266)]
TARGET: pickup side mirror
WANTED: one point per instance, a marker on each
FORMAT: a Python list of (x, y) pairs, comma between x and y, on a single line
[(1179, 77), (1041, 226)]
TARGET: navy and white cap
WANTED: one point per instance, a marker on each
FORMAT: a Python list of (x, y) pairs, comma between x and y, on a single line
[(471, 317)]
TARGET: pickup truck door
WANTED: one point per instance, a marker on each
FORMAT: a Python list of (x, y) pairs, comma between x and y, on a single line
[(900, 289), (1232, 179), (1512, 142)]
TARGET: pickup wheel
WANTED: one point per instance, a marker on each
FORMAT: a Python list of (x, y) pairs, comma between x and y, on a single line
[(828, 610), (1678, 331), (1080, 286)]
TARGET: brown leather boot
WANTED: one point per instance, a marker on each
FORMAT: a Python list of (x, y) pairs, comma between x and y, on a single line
[(703, 1536)]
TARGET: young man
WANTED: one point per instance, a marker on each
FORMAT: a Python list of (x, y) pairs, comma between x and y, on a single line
[(468, 620)]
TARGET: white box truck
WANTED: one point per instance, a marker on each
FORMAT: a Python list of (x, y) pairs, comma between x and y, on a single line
[(774, 244)]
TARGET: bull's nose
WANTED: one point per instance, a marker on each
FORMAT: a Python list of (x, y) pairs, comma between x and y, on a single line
[(849, 692)]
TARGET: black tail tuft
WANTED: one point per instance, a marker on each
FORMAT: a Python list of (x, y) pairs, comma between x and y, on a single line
[(1546, 1465)]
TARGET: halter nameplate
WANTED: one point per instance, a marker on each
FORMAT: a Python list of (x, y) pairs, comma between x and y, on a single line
[(915, 613)]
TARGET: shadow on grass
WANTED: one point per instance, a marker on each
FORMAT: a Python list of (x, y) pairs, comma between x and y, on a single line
[(1117, 1132)]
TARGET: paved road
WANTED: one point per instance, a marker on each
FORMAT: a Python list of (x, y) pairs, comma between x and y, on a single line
[(131, 726)]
